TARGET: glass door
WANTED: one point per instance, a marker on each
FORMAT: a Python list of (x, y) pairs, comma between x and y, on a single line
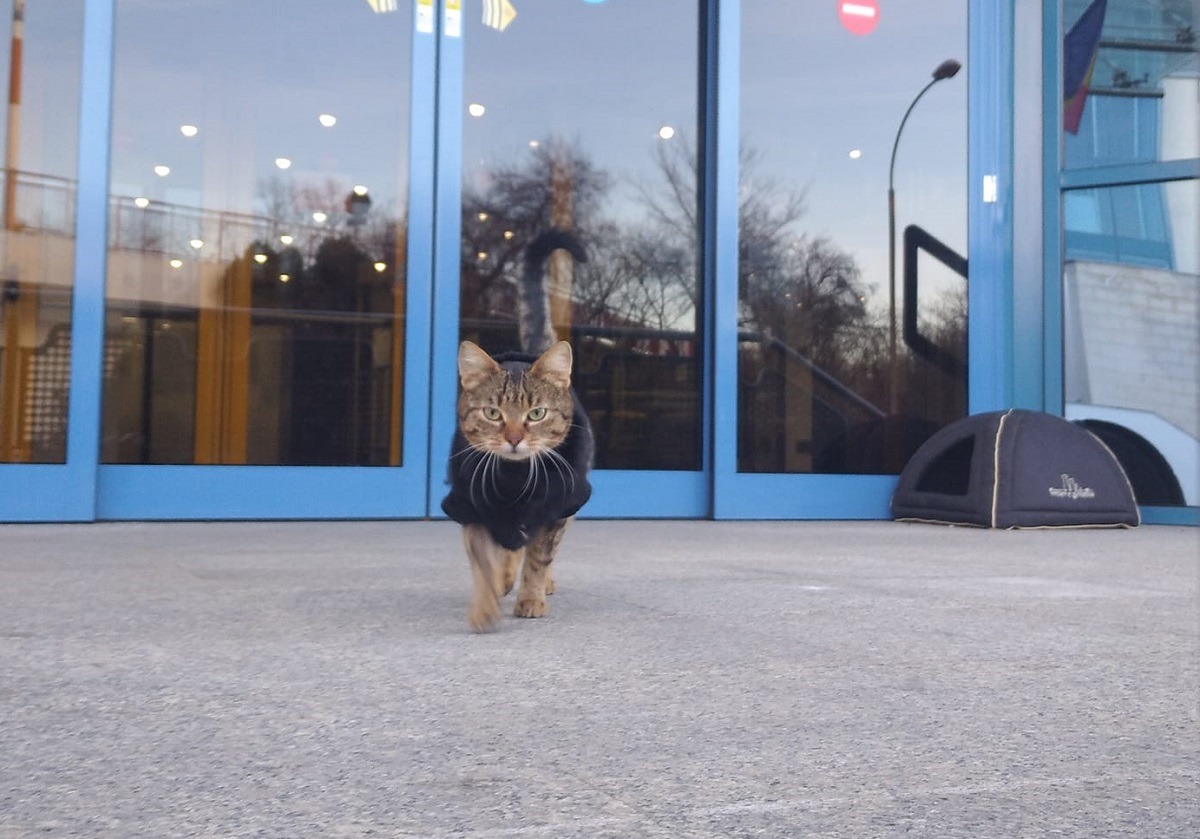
[(266, 307), (46, 472), (582, 118), (849, 348)]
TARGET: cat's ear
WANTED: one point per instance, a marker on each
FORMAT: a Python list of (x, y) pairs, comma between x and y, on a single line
[(555, 365), (474, 365)]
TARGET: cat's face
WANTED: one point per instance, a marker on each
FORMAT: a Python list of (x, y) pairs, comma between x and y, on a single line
[(515, 415)]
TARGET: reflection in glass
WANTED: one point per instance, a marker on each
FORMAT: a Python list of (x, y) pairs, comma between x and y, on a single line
[(37, 248), (1130, 79), (558, 134), (255, 278), (1131, 296), (822, 386)]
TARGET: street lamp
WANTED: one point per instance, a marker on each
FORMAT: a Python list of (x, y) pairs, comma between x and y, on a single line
[(947, 69)]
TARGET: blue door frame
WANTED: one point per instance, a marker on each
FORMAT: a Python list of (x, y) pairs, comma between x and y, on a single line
[(83, 489), (67, 492)]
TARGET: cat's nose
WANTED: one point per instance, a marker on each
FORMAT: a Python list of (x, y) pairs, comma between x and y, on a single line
[(514, 436)]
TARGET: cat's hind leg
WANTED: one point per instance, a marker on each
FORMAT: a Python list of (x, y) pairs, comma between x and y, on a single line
[(512, 562), (487, 569), (536, 578)]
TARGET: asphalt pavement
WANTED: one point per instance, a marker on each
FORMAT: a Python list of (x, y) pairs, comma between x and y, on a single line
[(693, 679)]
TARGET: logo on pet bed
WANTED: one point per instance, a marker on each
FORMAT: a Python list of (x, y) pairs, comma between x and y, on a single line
[(1071, 489)]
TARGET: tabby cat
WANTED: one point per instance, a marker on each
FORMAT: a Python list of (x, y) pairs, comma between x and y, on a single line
[(521, 453)]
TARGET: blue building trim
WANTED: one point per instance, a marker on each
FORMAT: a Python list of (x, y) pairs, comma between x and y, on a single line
[(1185, 516), (723, 245), (1131, 174), (443, 351), (1052, 162), (989, 206), (830, 497), (257, 492), (419, 300)]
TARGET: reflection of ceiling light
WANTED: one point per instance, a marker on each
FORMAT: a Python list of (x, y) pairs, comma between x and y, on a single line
[(319, 217), (283, 278), (476, 110), (533, 144), (483, 216), (162, 171), (260, 258), (508, 234), (666, 132), (286, 238), (188, 130), (498, 14), (196, 243), (380, 7), (360, 190), (327, 120), (142, 203), (380, 267), (176, 263), (481, 256), (855, 154), (283, 162)]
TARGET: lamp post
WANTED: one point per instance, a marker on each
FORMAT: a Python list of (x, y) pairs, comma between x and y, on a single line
[(947, 69)]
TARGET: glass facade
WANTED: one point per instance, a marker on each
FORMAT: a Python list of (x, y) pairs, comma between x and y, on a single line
[(774, 208), (851, 350), (37, 243), (1131, 271), (559, 135), (257, 234)]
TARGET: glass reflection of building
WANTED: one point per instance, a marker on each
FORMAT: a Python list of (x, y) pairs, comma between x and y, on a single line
[(306, 211)]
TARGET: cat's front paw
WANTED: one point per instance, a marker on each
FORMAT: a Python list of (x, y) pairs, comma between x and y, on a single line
[(483, 614), (528, 607)]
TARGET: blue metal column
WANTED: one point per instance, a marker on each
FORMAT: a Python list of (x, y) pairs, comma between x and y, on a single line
[(447, 235), (722, 235), (989, 213)]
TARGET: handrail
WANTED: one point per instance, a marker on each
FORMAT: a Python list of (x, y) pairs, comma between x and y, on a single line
[(917, 239)]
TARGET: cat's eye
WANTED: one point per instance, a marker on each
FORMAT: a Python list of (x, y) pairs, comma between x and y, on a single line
[(492, 413), (536, 414)]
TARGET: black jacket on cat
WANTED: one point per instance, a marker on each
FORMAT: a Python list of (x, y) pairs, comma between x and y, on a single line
[(513, 507)]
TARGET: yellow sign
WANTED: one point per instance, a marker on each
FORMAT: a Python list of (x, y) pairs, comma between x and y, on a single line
[(425, 16), (498, 14)]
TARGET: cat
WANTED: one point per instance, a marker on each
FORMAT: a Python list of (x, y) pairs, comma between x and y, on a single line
[(521, 452)]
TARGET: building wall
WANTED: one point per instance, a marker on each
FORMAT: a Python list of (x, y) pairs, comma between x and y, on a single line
[(1132, 340)]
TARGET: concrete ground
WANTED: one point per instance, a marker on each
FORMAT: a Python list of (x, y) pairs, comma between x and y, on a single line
[(693, 679)]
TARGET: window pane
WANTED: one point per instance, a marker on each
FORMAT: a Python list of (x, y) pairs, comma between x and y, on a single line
[(829, 380), (255, 276), (1131, 290), (562, 131), (37, 244), (1131, 82)]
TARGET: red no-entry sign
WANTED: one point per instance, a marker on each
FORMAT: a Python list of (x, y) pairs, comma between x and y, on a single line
[(858, 16)]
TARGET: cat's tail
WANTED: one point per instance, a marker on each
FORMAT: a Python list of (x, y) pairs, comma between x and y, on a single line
[(537, 332)]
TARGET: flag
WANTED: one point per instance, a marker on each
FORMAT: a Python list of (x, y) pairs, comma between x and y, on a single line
[(1080, 47)]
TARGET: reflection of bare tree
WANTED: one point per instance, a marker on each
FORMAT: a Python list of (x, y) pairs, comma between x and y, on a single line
[(640, 277), (515, 203)]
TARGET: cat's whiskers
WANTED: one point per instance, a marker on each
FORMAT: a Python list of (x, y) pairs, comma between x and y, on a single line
[(559, 462), (483, 473), (531, 476)]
